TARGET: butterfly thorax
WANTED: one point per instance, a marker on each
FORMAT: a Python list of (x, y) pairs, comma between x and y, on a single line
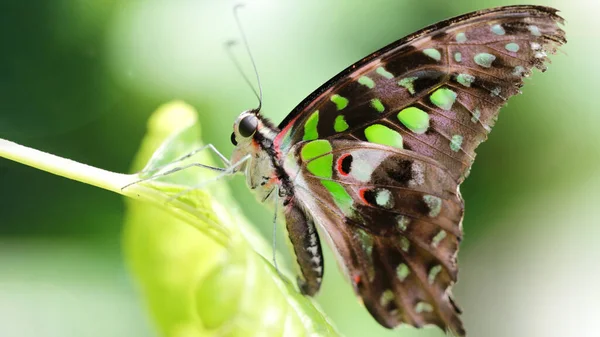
[(261, 164)]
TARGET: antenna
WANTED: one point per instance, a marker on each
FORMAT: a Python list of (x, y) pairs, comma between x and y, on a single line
[(247, 46), (228, 46)]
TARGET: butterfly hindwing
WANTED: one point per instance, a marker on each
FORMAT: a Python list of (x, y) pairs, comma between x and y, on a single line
[(436, 92), (393, 217)]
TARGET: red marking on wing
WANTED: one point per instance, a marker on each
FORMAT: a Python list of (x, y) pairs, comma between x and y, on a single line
[(281, 134), (339, 165), (361, 194)]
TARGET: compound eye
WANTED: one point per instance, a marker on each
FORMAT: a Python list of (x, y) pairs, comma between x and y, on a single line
[(233, 141), (248, 126)]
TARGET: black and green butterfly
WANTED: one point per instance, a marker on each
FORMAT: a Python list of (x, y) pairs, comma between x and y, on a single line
[(375, 157)]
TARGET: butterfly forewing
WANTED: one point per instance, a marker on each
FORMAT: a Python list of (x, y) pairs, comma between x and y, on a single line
[(375, 156), (436, 92)]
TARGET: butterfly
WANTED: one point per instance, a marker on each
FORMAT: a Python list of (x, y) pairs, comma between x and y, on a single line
[(374, 157)]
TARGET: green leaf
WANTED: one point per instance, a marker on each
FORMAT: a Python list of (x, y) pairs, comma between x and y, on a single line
[(199, 264)]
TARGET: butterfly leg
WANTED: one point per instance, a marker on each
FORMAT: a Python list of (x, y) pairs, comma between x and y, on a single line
[(195, 151), (276, 210), (180, 168), (176, 169), (307, 247), (225, 172)]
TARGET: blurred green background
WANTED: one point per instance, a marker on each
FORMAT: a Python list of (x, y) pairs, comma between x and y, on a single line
[(79, 78)]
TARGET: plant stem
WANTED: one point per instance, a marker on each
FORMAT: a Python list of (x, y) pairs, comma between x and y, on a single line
[(108, 180), (65, 167)]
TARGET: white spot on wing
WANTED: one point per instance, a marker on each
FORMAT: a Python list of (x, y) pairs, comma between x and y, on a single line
[(418, 177)]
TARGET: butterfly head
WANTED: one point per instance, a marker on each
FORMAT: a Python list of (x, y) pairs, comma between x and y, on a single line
[(252, 134), (244, 128)]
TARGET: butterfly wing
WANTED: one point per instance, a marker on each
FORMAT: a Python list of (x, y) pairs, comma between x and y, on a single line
[(436, 92), (375, 156), (393, 217)]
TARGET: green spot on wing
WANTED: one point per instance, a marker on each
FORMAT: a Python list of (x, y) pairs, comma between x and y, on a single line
[(402, 272), (314, 149), (340, 124), (461, 37), (408, 83), (415, 119), (319, 157), (433, 53), (381, 71), (443, 98), (377, 105), (535, 31), (465, 79), (381, 134), (310, 126), (434, 204), (367, 81), (457, 57), (438, 238), (496, 91), (402, 222), (341, 198), (484, 59), (433, 273), (498, 30), (321, 166), (340, 101), (476, 115), (512, 47), (386, 298), (423, 307), (518, 71), (456, 142), (366, 242), (383, 198), (404, 244)]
